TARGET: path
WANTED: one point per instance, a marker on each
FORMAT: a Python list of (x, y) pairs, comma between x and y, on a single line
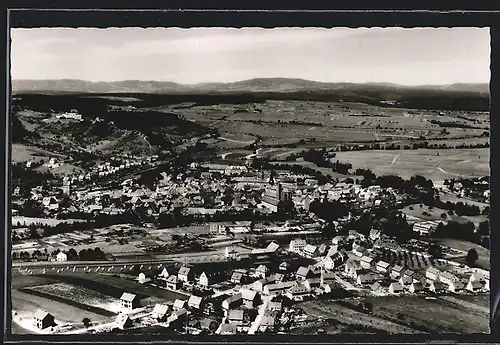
[(248, 142), (258, 319)]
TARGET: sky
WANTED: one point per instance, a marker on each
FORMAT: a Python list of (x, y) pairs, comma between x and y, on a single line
[(394, 55)]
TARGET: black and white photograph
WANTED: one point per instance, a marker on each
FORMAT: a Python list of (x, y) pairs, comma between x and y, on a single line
[(250, 181)]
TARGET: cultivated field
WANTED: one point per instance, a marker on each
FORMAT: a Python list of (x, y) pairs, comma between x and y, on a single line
[(426, 162)]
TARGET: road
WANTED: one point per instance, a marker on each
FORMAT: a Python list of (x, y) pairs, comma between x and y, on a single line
[(258, 319)]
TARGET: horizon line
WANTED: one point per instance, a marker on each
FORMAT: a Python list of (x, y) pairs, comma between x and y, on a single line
[(242, 80)]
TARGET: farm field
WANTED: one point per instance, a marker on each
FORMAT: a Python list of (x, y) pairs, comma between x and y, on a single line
[(27, 221), (425, 162)]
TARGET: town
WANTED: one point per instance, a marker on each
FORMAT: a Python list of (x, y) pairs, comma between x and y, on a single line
[(157, 190)]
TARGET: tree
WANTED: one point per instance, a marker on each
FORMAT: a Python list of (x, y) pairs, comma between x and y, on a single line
[(86, 322), (472, 256), (435, 250)]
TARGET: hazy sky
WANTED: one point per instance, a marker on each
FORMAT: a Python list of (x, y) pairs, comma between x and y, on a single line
[(403, 56)]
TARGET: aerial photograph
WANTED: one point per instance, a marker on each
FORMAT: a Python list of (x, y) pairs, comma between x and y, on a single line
[(223, 181)]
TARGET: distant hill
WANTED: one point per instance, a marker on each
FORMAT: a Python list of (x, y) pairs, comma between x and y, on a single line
[(283, 85)]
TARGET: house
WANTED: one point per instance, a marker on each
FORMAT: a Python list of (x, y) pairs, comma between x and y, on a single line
[(436, 286), (351, 266), (279, 288), (61, 256), (160, 312), (274, 306), (43, 319), (455, 286), (179, 304), (416, 287), (322, 249), (303, 273), (279, 277), (310, 251), (165, 273), (332, 287), (432, 273), (145, 277), (312, 283), (178, 316), (261, 283), (173, 283), (447, 277), (298, 292), (272, 247), (338, 240), (284, 266), (207, 324), (185, 274), (366, 277), (228, 329), (262, 271), (474, 286), (209, 278), (129, 301), (395, 288), (250, 298), (326, 277), (236, 277), (358, 250), (374, 234), (382, 266), (123, 321), (233, 301), (195, 302), (366, 262), (333, 261), (377, 287), (267, 322), (235, 316), (396, 271)]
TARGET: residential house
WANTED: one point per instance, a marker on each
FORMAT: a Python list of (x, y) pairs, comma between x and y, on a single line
[(339, 240), (179, 304), (267, 323), (374, 234), (436, 286), (322, 249), (382, 266), (366, 277), (279, 288), (396, 271), (303, 273), (275, 306), (312, 283), (129, 301), (262, 271), (235, 316), (366, 262), (298, 293), (358, 250), (377, 287), (250, 298), (228, 329), (447, 277), (61, 256), (207, 324), (166, 272), (43, 319), (333, 261), (279, 277), (416, 287), (209, 278), (395, 288), (185, 274), (123, 321), (351, 266), (261, 283), (310, 251), (160, 312), (474, 286), (432, 273), (145, 277), (173, 283), (455, 286), (232, 302), (195, 302), (326, 277), (284, 266), (236, 277)]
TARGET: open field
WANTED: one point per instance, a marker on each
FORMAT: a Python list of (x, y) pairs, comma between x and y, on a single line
[(440, 315), (464, 246), (425, 162), (27, 221), (435, 215)]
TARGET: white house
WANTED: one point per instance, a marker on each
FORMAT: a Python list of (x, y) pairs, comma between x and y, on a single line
[(395, 288), (61, 256), (297, 245), (382, 266)]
